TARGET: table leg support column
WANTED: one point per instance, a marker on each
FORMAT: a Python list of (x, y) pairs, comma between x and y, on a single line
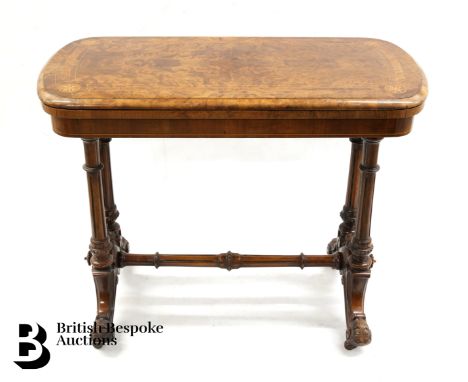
[(113, 228), (102, 252), (349, 211), (358, 259)]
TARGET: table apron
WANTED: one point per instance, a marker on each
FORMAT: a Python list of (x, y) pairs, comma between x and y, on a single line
[(231, 128)]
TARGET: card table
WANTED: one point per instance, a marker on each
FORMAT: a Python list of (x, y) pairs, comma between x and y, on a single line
[(362, 89)]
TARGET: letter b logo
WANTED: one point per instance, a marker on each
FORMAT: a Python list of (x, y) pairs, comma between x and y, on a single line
[(33, 344)]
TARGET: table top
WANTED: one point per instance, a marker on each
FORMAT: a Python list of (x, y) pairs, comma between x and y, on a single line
[(232, 73), (231, 87)]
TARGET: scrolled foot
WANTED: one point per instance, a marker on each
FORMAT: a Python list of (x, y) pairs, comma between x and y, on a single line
[(349, 346), (103, 333), (358, 334)]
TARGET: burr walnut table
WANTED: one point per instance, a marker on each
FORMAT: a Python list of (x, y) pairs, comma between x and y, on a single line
[(144, 87)]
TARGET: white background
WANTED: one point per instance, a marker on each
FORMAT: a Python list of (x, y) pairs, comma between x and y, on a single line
[(248, 196)]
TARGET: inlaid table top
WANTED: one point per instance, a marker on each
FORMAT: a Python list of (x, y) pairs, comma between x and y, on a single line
[(169, 79)]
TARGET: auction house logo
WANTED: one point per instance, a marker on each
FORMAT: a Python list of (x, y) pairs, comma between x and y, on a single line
[(32, 351)]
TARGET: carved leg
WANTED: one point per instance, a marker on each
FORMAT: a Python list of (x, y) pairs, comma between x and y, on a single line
[(348, 214), (102, 252), (113, 228), (357, 258)]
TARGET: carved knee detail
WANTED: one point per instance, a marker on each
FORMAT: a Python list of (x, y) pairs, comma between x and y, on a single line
[(101, 254)]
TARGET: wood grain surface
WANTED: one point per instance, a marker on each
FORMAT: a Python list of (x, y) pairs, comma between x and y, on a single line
[(233, 73)]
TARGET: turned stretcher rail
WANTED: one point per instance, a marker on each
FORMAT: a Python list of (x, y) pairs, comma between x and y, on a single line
[(229, 260)]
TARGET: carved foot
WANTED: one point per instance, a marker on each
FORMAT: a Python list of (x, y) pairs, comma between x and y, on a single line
[(354, 278), (102, 333), (105, 281), (358, 334)]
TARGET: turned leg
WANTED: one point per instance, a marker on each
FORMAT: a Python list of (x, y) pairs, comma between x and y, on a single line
[(357, 258), (348, 214), (102, 252), (113, 228)]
